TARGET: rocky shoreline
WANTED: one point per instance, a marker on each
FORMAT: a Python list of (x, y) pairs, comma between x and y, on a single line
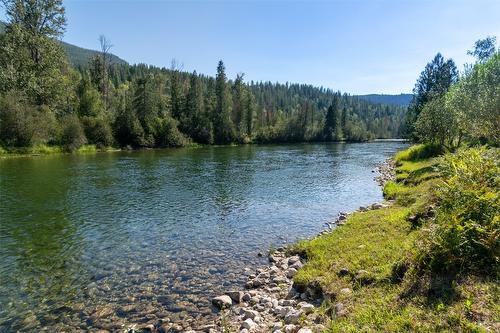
[(271, 302)]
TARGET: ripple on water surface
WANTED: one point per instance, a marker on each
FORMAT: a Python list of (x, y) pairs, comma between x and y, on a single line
[(99, 241)]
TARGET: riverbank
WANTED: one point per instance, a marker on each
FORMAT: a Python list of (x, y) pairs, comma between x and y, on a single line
[(357, 276), (41, 150)]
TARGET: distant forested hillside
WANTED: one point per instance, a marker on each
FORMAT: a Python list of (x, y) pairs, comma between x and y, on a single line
[(78, 56), (103, 101), (401, 99)]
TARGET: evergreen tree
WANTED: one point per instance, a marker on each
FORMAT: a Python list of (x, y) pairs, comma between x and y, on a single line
[(223, 126)]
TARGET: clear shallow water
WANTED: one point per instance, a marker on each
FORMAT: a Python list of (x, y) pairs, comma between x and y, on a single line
[(161, 230)]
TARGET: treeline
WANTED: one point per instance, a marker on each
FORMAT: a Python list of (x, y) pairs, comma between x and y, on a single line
[(43, 100), (451, 108)]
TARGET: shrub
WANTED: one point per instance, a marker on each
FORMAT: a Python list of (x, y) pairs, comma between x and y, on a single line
[(467, 232), (73, 136), (169, 135), (419, 152), (98, 131), (22, 124)]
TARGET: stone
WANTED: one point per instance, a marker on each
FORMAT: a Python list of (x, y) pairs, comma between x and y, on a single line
[(222, 302), (377, 205), (244, 330), (345, 291), (277, 325), (293, 260), (236, 296), (297, 265), (305, 330), (293, 317), (290, 328), (364, 277), (291, 273), (306, 307), (339, 309), (250, 314), (246, 297), (248, 324), (343, 271), (148, 328)]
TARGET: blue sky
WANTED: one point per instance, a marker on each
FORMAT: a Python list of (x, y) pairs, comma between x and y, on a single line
[(356, 46)]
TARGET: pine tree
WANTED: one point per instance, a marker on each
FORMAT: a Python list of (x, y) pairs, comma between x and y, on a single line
[(223, 126)]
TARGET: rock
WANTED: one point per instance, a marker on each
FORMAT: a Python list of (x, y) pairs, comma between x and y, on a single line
[(343, 271), (244, 330), (236, 296), (250, 314), (290, 328), (305, 330), (293, 317), (277, 325), (345, 291), (148, 328), (259, 254), (339, 309), (377, 206), (206, 328), (293, 260), (102, 312), (291, 273), (102, 331), (246, 297), (297, 265), (306, 307), (363, 209), (222, 302), (364, 277), (248, 324)]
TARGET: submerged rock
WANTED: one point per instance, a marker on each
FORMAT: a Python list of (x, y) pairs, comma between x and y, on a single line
[(222, 302)]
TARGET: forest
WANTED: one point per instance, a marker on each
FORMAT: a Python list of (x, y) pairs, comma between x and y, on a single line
[(46, 102)]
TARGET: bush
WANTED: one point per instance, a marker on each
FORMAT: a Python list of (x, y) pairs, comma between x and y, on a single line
[(98, 131), (419, 152), (169, 135), (22, 124), (467, 232), (73, 136)]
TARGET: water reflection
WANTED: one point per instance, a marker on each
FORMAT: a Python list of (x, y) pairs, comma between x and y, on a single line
[(160, 230)]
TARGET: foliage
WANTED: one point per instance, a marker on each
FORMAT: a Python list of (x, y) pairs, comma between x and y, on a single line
[(467, 233), (72, 136), (454, 112), (434, 81), (384, 244), (22, 124), (418, 152), (483, 49)]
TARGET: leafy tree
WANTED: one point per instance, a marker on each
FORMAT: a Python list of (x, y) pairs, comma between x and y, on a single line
[(438, 124), (483, 49), (73, 136), (434, 82)]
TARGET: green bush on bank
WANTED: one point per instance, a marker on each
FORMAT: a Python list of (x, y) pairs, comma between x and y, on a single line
[(419, 152), (466, 236)]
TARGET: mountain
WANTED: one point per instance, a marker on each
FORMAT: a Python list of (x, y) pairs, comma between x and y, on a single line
[(78, 56), (401, 99)]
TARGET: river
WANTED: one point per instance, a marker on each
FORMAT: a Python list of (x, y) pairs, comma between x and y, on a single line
[(111, 239)]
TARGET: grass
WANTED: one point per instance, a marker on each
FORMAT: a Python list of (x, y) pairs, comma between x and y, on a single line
[(385, 296), (49, 150)]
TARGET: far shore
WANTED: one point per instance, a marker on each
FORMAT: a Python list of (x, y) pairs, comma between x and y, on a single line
[(45, 150)]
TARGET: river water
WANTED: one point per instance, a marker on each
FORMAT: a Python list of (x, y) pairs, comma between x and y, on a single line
[(112, 239)]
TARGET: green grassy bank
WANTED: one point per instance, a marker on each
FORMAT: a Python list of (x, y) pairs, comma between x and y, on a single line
[(428, 262)]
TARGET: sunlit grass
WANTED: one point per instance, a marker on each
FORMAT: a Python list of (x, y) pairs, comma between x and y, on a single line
[(381, 241)]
